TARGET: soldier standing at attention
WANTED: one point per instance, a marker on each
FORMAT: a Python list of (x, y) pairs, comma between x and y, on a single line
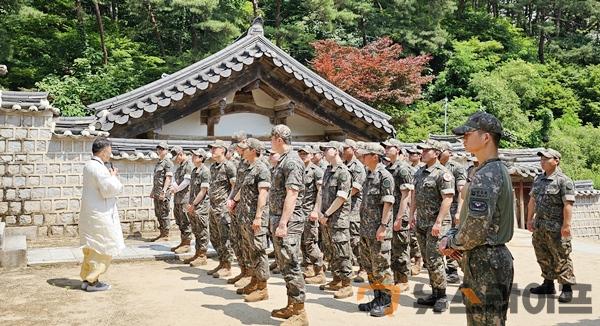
[(434, 189), (222, 179), (414, 160), (403, 187), (197, 208), (181, 190), (460, 179), (251, 198), (287, 223), (161, 181), (318, 159), (358, 174), (552, 199), (486, 224), (313, 179), (335, 215), (376, 230)]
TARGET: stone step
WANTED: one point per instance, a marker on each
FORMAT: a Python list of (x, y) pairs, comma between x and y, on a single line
[(30, 232), (14, 252)]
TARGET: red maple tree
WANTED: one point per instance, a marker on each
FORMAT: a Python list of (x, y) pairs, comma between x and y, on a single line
[(375, 73)]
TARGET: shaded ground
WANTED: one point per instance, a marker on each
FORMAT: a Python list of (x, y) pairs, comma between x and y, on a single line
[(170, 293)]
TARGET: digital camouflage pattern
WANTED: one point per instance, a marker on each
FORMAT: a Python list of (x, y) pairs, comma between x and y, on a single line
[(162, 170), (288, 173), (359, 174), (313, 179), (460, 179), (181, 198), (199, 220), (403, 181), (222, 176), (237, 218)]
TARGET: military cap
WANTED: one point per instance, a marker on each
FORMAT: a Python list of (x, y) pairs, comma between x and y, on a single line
[(446, 146), (238, 137), (372, 148), (307, 149), (316, 148), (252, 143), (200, 152), (218, 143), (332, 144), (549, 153), (282, 131), (480, 121), (392, 142), (413, 150), (176, 150), (163, 145), (431, 144), (349, 143)]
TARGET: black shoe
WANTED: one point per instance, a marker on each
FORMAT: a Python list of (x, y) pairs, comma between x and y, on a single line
[(441, 304), (429, 300), (452, 277), (369, 305), (546, 288), (385, 300), (566, 295)]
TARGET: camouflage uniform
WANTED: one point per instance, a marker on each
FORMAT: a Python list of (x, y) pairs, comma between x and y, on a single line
[(551, 250), (486, 224), (460, 178), (403, 180), (162, 170), (181, 198), (376, 255), (288, 173), (431, 183), (236, 219), (313, 178), (415, 252), (221, 175), (358, 174), (337, 182), (199, 220), (256, 176)]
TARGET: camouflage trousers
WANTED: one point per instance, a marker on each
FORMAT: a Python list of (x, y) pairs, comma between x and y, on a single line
[(375, 257), (289, 256), (553, 255), (489, 274), (219, 225), (182, 220), (434, 261), (341, 259), (199, 221), (310, 244), (161, 210), (255, 249), (325, 243), (355, 238), (415, 251), (451, 263), (236, 239), (401, 249)]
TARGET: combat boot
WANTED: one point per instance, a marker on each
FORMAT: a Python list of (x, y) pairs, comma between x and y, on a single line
[(361, 276), (298, 317), (403, 283), (546, 288), (214, 270), (379, 306), (452, 276), (177, 246), (191, 259), (243, 273), (243, 281), (274, 268), (333, 285), (225, 271), (259, 294), (163, 236), (369, 305), (441, 303), (429, 300), (416, 267), (566, 294), (200, 260), (309, 271), (345, 291), (251, 287), (183, 247), (318, 278), (285, 312)]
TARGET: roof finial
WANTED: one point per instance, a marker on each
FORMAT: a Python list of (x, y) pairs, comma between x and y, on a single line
[(257, 27)]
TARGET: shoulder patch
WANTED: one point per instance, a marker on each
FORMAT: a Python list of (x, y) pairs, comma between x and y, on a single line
[(480, 193), (569, 185), (478, 206), (343, 177), (290, 165), (447, 176), (386, 183)]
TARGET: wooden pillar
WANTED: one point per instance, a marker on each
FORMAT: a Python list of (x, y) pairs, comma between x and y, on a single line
[(522, 205)]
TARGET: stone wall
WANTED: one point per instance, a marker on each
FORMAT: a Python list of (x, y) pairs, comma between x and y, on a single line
[(586, 217)]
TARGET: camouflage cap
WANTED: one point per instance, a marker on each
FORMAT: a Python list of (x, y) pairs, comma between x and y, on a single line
[(163, 145), (480, 121), (332, 144), (431, 144), (200, 152), (251, 143), (446, 146), (372, 148), (392, 142), (549, 153), (316, 148), (413, 150), (282, 131), (307, 149), (238, 137), (218, 143), (349, 143), (176, 150)]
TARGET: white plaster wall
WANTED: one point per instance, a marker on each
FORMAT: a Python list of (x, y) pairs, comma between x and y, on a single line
[(186, 126), (252, 123), (304, 127)]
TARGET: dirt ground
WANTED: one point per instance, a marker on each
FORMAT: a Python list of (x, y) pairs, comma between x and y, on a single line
[(170, 293)]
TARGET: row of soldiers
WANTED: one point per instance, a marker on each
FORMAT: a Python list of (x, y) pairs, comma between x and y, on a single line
[(343, 203)]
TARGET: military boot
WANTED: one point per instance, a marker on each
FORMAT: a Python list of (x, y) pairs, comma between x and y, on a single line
[(163, 236), (566, 294), (274, 268), (183, 247), (225, 271), (429, 300), (361, 276), (177, 246), (191, 259), (441, 302), (318, 278), (379, 306), (345, 291), (285, 312), (333, 285), (243, 281), (214, 270), (546, 288), (243, 273), (452, 276), (251, 287), (259, 294), (309, 271), (416, 267), (298, 318), (369, 305), (403, 283), (200, 260)]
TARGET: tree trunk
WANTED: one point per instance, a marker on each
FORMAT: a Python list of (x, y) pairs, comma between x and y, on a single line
[(193, 32), (161, 46), (80, 22), (255, 8), (542, 34), (101, 30), (558, 18), (277, 22), (363, 30)]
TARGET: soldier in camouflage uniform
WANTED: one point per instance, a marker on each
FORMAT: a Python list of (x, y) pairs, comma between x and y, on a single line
[(358, 174), (181, 190), (287, 223), (161, 181), (486, 224), (222, 179), (313, 179), (414, 159), (552, 199), (251, 198), (460, 179), (434, 189), (198, 207), (403, 181), (335, 209), (376, 229)]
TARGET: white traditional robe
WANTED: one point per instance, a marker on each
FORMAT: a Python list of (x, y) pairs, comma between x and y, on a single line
[(99, 224)]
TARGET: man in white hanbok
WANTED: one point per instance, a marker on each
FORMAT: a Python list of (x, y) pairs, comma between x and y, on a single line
[(99, 224)]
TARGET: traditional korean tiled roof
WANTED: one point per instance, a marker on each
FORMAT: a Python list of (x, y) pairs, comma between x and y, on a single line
[(77, 127), (25, 102), (219, 66)]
